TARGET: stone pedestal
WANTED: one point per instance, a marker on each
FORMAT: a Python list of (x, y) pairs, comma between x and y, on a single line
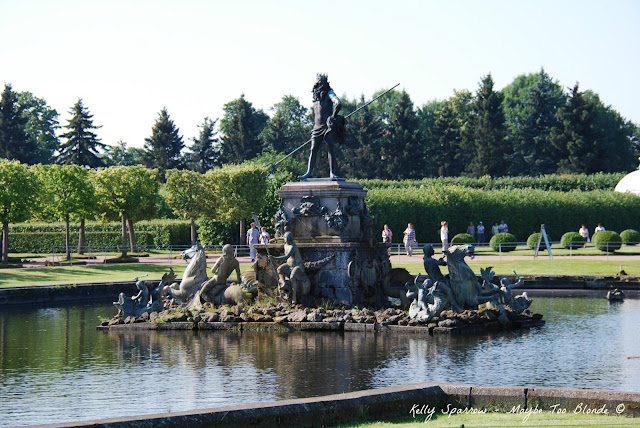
[(334, 233)]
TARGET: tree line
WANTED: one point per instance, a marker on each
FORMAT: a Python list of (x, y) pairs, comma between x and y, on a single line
[(126, 193), (531, 127)]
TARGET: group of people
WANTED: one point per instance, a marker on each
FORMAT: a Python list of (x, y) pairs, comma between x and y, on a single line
[(254, 236), (410, 240), (584, 232)]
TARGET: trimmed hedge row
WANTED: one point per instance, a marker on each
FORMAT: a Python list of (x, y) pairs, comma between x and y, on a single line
[(42, 237), (554, 182), (524, 210)]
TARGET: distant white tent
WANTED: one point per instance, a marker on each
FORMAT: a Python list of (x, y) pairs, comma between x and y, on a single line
[(630, 183)]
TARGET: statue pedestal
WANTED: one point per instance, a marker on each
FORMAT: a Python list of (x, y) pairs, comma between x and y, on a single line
[(333, 231)]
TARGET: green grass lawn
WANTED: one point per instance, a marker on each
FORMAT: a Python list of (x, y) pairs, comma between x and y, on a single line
[(541, 266), (544, 419), (79, 274)]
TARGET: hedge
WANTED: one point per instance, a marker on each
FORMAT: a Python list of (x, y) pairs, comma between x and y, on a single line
[(42, 237), (504, 242), (572, 240), (553, 182), (463, 238), (607, 241), (524, 210), (532, 241), (630, 237)]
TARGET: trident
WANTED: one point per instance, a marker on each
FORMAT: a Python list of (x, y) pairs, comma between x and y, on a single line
[(273, 165)]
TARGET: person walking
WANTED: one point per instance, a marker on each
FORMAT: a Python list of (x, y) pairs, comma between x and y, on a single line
[(495, 229), (387, 236), (409, 239), (471, 230), (264, 236), (253, 237), (444, 235), (584, 232), (480, 232)]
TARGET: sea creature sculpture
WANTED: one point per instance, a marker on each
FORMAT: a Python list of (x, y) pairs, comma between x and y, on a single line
[(193, 277)]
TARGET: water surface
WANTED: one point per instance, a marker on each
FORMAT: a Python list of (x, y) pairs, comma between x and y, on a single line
[(55, 366)]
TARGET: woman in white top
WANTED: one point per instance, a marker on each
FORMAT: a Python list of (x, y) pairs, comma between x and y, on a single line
[(444, 235), (584, 232)]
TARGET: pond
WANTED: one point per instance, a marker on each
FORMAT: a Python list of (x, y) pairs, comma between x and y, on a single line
[(55, 366)]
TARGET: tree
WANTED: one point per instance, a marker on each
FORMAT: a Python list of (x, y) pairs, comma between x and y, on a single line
[(427, 116), (235, 192), (163, 149), (402, 153), (18, 196), (531, 110), (187, 195), (289, 127), (40, 128), (205, 151), (82, 145), (617, 144), (121, 155), (66, 190), (489, 133), (127, 192), (14, 143), (143, 197), (362, 150), (241, 127)]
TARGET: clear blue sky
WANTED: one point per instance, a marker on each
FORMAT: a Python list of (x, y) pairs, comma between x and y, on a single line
[(127, 59)]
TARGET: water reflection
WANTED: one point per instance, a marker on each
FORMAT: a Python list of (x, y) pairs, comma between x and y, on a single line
[(55, 361)]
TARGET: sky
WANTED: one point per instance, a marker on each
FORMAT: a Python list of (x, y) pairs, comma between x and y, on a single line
[(127, 59)]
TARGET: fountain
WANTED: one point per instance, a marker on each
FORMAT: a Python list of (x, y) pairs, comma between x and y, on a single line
[(324, 265)]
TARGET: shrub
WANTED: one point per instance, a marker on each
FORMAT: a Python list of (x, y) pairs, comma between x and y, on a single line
[(607, 240), (630, 237), (463, 238), (572, 240), (503, 242), (532, 241)]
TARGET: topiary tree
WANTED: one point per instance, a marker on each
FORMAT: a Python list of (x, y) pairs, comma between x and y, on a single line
[(235, 191), (463, 238), (532, 241), (572, 240), (503, 242), (19, 187), (607, 241), (630, 237), (186, 195)]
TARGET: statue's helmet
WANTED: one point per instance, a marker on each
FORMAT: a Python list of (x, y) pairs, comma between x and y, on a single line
[(428, 250)]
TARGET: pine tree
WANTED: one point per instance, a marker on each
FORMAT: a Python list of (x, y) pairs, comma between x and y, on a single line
[(489, 132), (362, 150), (575, 141), (427, 116), (163, 148), (241, 127), (82, 145), (14, 144), (205, 151), (402, 152)]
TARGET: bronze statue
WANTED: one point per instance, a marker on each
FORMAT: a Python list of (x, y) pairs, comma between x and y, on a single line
[(327, 124), (292, 279), (222, 270)]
